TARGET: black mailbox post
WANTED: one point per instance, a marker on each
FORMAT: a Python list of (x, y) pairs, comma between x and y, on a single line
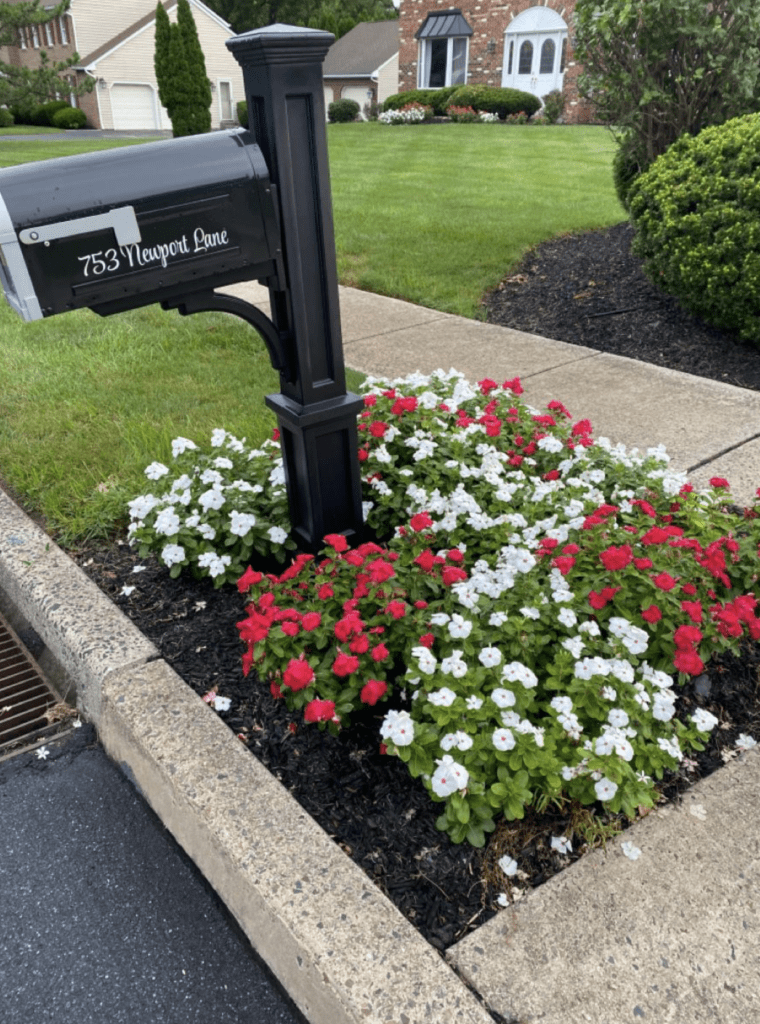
[(172, 221)]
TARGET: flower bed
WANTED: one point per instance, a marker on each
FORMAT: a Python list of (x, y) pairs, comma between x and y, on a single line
[(539, 601)]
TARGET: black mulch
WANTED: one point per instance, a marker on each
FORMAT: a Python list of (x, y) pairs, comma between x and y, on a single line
[(384, 820)]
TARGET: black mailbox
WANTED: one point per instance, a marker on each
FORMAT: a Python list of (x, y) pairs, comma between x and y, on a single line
[(123, 228)]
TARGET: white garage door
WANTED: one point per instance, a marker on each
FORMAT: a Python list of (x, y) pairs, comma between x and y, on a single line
[(357, 93), (133, 106)]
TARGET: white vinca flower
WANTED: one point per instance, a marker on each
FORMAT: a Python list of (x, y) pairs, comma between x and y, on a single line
[(213, 498), (167, 522), (156, 470), (459, 739), (454, 665), (508, 865), (182, 444), (442, 698), (459, 628), (426, 662), (241, 523), (704, 720), (605, 789), (490, 657), (277, 535), (449, 777), (503, 739), (503, 698), (172, 554), (398, 728), (561, 844)]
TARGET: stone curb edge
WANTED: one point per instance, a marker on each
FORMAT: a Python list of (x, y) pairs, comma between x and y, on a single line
[(339, 947)]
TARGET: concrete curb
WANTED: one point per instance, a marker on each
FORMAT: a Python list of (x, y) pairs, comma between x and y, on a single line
[(342, 951)]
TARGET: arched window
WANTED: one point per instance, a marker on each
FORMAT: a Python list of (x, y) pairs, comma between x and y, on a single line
[(547, 57), (526, 58)]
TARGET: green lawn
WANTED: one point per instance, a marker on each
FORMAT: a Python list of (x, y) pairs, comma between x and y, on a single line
[(433, 214)]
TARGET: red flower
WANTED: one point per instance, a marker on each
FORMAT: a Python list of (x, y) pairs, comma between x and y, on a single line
[(363, 455), (346, 627), (298, 675), (248, 579), (380, 570), (311, 620), (427, 640), (689, 662), (359, 644), (426, 560), (513, 385), (652, 613), (377, 429), (290, 628), (396, 608), (645, 507), (336, 541), (598, 600), (693, 609), (421, 521), (689, 589), (686, 637), (570, 549), (274, 689), (655, 536), (718, 481), (643, 563), (370, 399), (345, 664), (319, 710), (417, 604), (664, 581), (615, 558), (325, 591), (380, 653), (450, 575), (486, 385), (564, 563), (372, 691), (556, 406), (553, 474), (581, 427), (247, 660), (455, 555)]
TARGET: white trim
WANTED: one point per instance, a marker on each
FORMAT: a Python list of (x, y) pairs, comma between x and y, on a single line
[(423, 66), (233, 113), (385, 62)]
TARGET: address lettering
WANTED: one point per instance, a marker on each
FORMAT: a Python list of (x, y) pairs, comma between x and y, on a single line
[(134, 256)]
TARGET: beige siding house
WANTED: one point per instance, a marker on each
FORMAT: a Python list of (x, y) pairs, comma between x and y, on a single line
[(363, 64)]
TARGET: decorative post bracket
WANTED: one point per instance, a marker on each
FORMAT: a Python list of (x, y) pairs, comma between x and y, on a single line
[(282, 72)]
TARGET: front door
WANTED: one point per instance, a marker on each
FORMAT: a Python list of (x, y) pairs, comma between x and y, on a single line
[(532, 62)]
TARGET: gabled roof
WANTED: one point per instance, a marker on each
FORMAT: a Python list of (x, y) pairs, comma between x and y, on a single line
[(363, 50), (116, 41)]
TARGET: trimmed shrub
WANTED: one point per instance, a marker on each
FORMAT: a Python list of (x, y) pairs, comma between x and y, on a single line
[(696, 212), (71, 117), (496, 101), (466, 115), (242, 114), (627, 164), (6, 118), (437, 99), (44, 114), (22, 113), (554, 105), (342, 111)]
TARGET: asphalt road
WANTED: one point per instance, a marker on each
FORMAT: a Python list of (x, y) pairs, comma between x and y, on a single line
[(103, 919)]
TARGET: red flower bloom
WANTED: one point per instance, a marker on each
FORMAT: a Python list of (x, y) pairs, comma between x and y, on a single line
[(426, 560), (564, 563), (486, 385), (581, 427), (450, 575), (396, 608), (655, 536), (347, 627), (513, 385), (274, 689), (599, 599), (370, 399), (570, 549), (553, 474), (380, 570), (336, 541), (372, 691), (363, 455), (718, 481), (556, 406), (380, 653), (359, 644), (652, 613), (298, 675), (248, 579), (311, 620), (688, 661), (643, 563), (427, 640), (686, 637), (319, 710), (645, 507), (615, 558), (345, 664), (325, 591), (290, 628), (664, 581), (421, 521), (693, 609), (377, 429)]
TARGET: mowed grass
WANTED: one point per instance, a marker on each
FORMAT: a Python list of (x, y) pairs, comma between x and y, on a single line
[(433, 214), (438, 214)]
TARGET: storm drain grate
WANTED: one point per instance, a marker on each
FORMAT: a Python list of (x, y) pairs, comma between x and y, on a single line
[(25, 695)]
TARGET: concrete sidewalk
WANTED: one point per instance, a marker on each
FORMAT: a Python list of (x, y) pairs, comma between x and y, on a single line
[(668, 938)]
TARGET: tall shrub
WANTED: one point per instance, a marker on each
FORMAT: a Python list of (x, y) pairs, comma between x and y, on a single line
[(183, 85)]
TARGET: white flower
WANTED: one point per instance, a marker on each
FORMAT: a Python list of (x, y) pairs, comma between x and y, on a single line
[(43, 754), (141, 506), (516, 672), (398, 728), (156, 470), (703, 720), (427, 662), (126, 591), (508, 866), (567, 617), (503, 739), (206, 531), (139, 568), (277, 535), (562, 844), (442, 698), (222, 462), (182, 444), (745, 742), (449, 777), (490, 657), (221, 703), (608, 693), (474, 703), (605, 789), (172, 554), (503, 698), (618, 718), (562, 704), (211, 476), (573, 644), (241, 523), (167, 522), (454, 665), (459, 628), (631, 852), (213, 498), (217, 437), (216, 564), (459, 739), (670, 747), (664, 706), (529, 613)]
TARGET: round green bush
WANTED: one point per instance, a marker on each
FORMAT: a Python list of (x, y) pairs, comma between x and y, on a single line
[(44, 114), (627, 165), (438, 99), (554, 105), (696, 212), (70, 117), (242, 113), (342, 111), (6, 118), (495, 101)]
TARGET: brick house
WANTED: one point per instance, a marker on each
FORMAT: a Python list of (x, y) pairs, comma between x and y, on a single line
[(118, 50), (513, 43), (363, 64)]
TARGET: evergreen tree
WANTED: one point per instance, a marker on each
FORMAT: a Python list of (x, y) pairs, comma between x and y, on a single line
[(161, 60), (29, 87), (183, 85), (197, 64)]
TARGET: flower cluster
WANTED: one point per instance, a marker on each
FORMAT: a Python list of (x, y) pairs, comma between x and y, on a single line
[(218, 508), (540, 596), (412, 113), (466, 115)]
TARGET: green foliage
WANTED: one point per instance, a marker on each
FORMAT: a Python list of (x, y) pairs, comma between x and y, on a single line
[(242, 113), (183, 85), (495, 101), (6, 118), (331, 15), (69, 117), (628, 164), (342, 111), (554, 105), (43, 115), (438, 99), (659, 68), (696, 211)]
